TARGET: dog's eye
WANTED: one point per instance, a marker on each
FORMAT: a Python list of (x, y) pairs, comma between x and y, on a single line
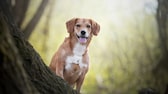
[(78, 25), (88, 26)]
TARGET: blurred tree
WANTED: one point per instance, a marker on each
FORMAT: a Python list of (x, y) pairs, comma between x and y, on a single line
[(19, 9), (22, 70), (162, 18), (161, 70)]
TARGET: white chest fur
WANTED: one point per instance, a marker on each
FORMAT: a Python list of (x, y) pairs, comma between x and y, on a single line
[(77, 57)]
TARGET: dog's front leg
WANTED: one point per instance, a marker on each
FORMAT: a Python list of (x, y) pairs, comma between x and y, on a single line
[(60, 70), (79, 83)]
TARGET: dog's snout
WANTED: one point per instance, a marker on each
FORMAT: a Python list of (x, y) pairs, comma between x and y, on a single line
[(83, 32)]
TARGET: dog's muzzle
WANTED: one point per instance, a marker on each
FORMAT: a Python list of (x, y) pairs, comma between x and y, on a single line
[(82, 37)]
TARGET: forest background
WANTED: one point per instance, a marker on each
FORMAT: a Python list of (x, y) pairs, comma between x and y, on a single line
[(125, 57)]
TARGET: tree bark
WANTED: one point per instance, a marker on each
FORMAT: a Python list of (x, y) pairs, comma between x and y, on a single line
[(22, 69), (13, 78)]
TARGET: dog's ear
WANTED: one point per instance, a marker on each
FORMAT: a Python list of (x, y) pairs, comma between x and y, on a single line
[(95, 28), (70, 25)]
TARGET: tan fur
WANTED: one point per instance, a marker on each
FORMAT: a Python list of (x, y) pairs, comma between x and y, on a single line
[(75, 74)]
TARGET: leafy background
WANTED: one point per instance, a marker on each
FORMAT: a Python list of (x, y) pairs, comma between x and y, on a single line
[(125, 54)]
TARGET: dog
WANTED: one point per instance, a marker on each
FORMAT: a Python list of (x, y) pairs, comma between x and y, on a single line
[(71, 61)]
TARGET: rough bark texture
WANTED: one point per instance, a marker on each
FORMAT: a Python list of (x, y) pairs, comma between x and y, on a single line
[(21, 68), (13, 76)]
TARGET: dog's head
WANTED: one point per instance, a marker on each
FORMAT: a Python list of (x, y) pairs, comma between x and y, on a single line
[(82, 28)]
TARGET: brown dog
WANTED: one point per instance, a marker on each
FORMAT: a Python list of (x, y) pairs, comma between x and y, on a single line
[(71, 61)]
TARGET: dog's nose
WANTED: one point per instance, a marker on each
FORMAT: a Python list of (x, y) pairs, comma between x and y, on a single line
[(83, 32)]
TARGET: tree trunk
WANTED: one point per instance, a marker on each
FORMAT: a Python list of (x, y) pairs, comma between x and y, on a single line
[(13, 78), (21, 68), (162, 12), (160, 71)]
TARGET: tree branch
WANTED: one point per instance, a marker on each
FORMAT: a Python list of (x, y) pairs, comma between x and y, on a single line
[(35, 19), (19, 10)]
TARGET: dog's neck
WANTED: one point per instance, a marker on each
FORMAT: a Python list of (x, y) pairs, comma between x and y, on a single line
[(79, 49)]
